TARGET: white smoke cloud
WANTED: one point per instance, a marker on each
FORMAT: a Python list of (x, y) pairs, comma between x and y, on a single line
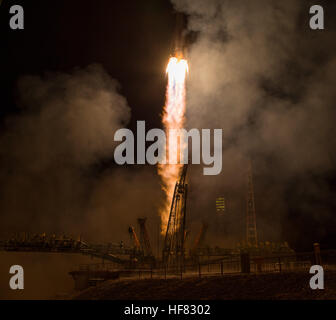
[(66, 125), (258, 72), (69, 118)]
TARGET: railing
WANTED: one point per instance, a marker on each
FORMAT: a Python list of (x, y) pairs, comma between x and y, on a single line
[(221, 267)]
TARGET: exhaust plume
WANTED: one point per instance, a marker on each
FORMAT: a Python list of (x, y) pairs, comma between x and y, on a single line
[(173, 118)]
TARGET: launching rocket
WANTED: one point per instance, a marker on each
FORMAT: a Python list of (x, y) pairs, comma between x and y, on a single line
[(179, 38), (174, 116)]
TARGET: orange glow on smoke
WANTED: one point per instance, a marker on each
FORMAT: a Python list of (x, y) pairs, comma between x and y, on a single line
[(173, 118)]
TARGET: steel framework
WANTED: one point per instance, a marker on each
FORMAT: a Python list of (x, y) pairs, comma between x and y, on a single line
[(173, 250)]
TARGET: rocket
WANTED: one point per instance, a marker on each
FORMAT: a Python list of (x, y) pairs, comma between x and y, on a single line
[(179, 37)]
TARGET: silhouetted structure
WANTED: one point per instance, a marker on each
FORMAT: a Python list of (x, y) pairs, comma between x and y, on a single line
[(251, 226), (173, 250)]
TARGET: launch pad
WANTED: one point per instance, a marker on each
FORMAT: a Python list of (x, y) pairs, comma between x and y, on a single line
[(174, 255)]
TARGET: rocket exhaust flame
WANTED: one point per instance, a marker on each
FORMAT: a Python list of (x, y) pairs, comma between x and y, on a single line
[(173, 118)]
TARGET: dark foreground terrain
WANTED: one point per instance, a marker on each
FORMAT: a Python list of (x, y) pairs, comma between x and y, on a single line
[(261, 286)]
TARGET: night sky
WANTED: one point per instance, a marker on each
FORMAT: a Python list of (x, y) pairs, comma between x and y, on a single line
[(132, 41)]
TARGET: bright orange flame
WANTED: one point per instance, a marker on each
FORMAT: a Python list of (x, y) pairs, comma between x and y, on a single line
[(173, 118), (177, 69)]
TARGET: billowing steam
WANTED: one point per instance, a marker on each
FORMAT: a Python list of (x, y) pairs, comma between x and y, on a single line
[(66, 125), (266, 79)]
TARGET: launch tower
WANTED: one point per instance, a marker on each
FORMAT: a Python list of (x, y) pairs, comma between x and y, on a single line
[(173, 250)]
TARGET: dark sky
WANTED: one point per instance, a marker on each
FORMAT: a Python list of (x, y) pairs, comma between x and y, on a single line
[(132, 40)]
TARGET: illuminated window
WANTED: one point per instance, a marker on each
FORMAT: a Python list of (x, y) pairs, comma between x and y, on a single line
[(220, 204)]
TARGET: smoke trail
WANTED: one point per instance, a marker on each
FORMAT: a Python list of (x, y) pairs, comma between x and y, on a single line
[(173, 118)]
